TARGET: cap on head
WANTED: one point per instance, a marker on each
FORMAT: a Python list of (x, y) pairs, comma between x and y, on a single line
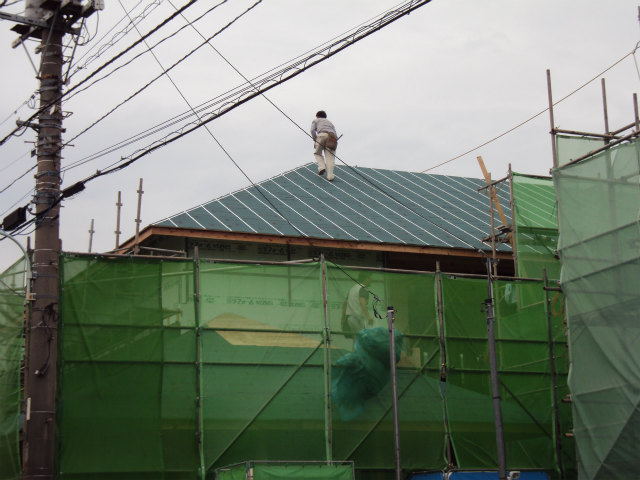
[(321, 114)]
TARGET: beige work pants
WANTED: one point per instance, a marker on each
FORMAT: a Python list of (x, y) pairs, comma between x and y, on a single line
[(327, 162)]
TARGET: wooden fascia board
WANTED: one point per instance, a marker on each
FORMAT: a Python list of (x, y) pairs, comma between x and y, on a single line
[(151, 231)]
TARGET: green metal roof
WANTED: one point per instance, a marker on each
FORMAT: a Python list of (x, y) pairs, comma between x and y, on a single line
[(361, 204)]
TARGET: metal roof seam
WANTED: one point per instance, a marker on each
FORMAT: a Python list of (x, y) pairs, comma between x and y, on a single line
[(437, 206), (362, 216), (323, 216), (237, 216), (256, 214), (191, 217), (480, 210), (437, 216), (276, 212), (411, 222), (298, 214), (396, 224), (217, 219)]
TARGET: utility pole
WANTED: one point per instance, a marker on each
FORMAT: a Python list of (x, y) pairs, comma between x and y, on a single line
[(47, 21)]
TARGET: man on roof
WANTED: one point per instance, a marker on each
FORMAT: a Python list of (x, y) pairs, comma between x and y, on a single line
[(325, 140)]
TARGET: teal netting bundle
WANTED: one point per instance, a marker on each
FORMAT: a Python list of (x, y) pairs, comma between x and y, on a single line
[(363, 373)]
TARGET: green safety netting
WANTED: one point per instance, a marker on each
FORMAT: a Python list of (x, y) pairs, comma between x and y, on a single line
[(535, 227), (526, 385), (368, 438), (571, 147), (599, 201), (176, 368), (12, 297), (286, 470)]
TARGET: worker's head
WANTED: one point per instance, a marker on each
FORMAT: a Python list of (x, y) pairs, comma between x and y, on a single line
[(321, 114)]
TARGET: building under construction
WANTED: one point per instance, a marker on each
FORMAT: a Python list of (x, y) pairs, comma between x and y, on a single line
[(213, 344)]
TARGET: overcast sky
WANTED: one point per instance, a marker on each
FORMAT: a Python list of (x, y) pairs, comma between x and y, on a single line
[(425, 89)]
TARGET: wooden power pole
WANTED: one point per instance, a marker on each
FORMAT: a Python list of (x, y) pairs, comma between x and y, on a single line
[(48, 21)]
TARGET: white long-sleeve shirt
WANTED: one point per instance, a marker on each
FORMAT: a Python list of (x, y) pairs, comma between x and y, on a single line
[(322, 125)]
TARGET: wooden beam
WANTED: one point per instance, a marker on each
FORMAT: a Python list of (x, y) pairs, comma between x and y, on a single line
[(487, 178), (151, 231)]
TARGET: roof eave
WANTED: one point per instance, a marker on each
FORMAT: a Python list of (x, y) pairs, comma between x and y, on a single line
[(155, 230)]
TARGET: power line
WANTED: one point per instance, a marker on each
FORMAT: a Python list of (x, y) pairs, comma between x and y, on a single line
[(14, 161), (263, 84), (385, 20), (18, 178), (632, 53), (203, 123), (116, 37), (152, 81), (308, 135), (102, 67), (15, 111), (149, 48), (224, 97), (165, 71)]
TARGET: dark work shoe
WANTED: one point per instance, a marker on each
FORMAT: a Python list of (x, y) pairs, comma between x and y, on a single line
[(321, 172)]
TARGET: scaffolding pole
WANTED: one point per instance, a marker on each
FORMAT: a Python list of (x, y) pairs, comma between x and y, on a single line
[(495, 381), (327, 364), (552, 372), (552, 121), (394, 391), (199, 380)]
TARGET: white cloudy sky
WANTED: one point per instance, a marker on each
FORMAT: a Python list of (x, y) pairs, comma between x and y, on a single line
[(432, 85)]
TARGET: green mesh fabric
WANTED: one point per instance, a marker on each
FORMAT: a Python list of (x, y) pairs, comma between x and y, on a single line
[(536, 227), (569, 147), (368, 438), (599, 200), (11, 355), (524, 373), (127, 372), (172, 369), (262, 362)]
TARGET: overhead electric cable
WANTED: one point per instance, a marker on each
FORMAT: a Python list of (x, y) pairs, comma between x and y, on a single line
[(632, 53), (348, 166), (116, 37), (281, 65), (18, 178), (216, 140), (385, 20), (308, 135), (139, 55), (224, 97), (14, 161), (154, 79), (271, 81), (15, 110), (20, 200), (102, 67)]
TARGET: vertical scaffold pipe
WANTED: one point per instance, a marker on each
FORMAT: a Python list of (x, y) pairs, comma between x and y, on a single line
[(495, 383), (199, 380), (394, 391), (327, 364), (552, 372)]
